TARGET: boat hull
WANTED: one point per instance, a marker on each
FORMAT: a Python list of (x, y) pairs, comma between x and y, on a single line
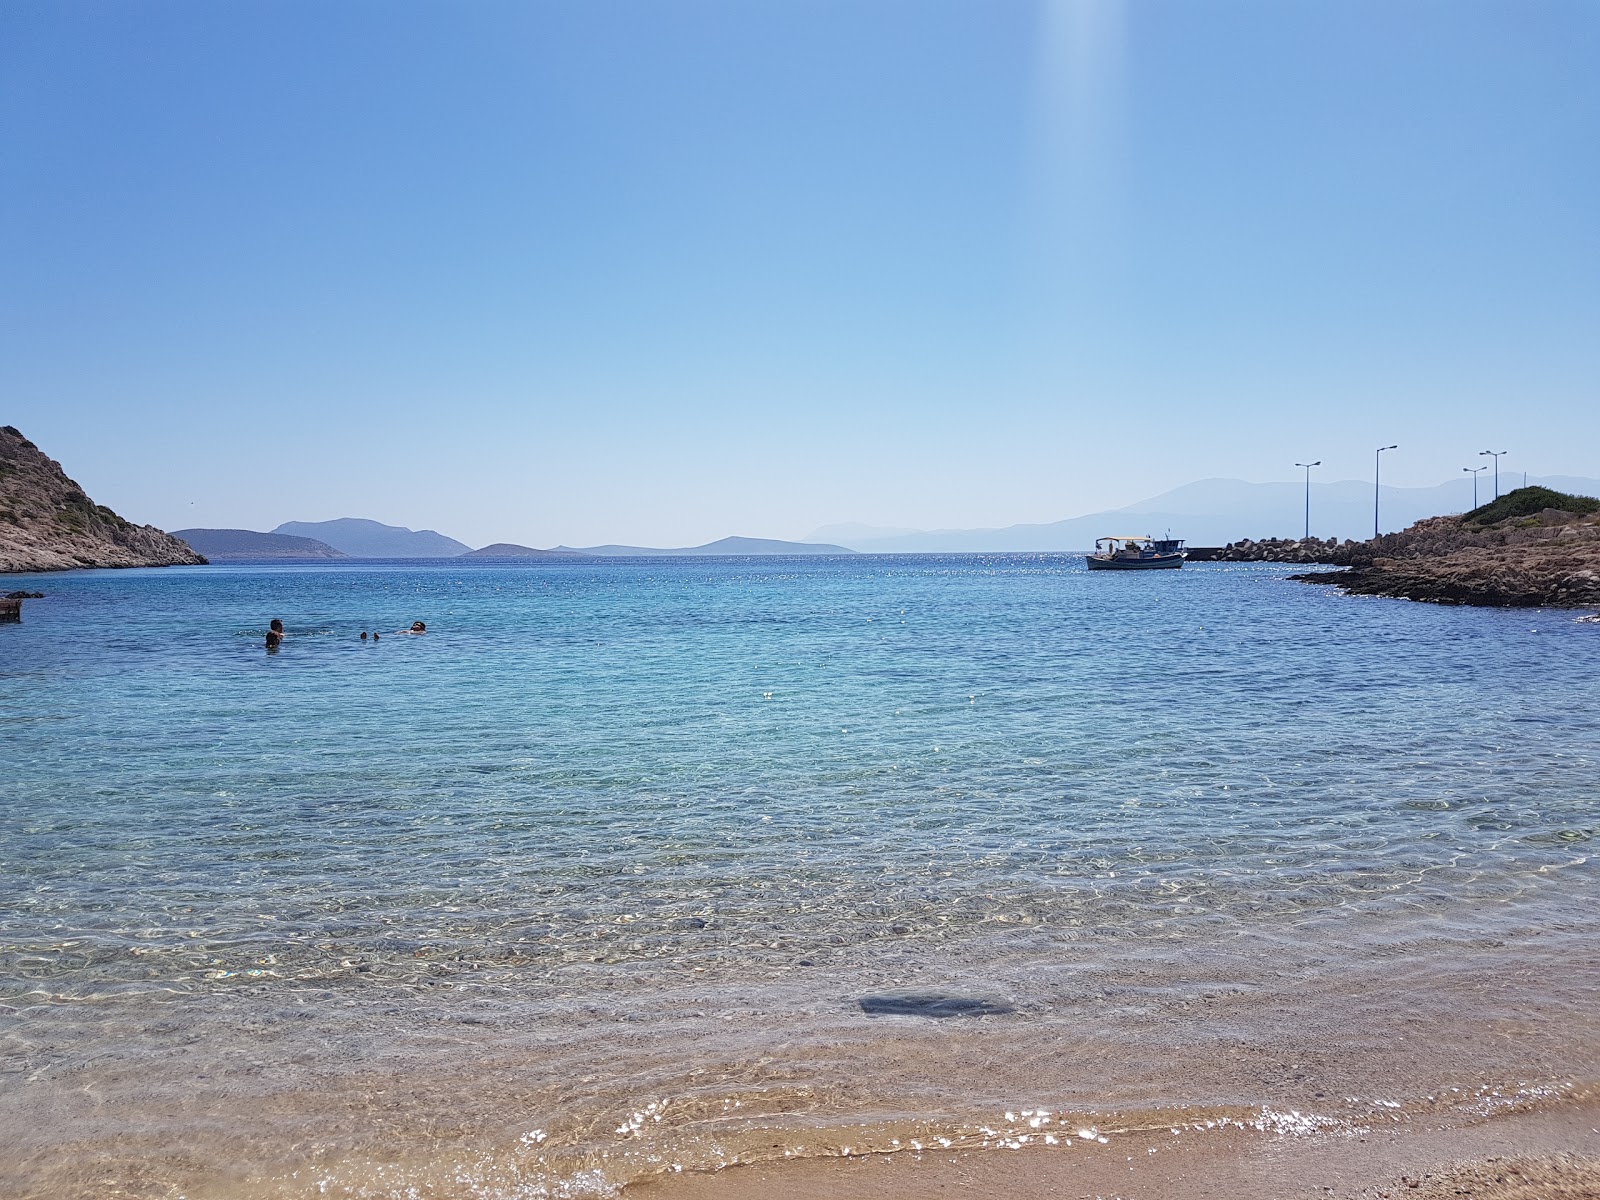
[(1161, 562)]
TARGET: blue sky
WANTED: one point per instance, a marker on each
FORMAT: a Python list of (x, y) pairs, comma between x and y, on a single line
[(666, 270)]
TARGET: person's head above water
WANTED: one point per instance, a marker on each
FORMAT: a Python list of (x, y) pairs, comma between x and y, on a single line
[(276, 625), (363, 635), (418, 627)]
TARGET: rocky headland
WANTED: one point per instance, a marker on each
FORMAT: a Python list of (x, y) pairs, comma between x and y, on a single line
[(1532, 547), (48, 522)]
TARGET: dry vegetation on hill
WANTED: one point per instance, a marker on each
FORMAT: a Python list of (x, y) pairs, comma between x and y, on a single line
[(48, 522)]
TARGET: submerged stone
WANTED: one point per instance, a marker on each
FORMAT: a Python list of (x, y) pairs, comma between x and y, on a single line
[(933, 1004)]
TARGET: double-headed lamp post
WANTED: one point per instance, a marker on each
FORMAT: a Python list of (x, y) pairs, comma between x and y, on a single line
[(1377, 460), (1308, 467), (1496, 454), (1473, 471)]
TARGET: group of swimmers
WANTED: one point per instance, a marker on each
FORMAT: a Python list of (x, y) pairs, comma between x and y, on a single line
[(275, 632)]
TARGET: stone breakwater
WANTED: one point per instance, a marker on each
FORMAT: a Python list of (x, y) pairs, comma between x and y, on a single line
[(48, 522), (1285, 550)]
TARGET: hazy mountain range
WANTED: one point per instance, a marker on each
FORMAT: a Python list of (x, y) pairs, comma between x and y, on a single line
[(371, 539), (1210, 512), (353, 537)]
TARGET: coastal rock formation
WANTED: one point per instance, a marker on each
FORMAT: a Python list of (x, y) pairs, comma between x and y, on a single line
[(1561, 570), (48, 523), (1531, 547), (1502, 555)]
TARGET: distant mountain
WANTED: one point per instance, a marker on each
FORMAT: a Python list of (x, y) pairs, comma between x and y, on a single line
[(226, 545), (48, 522), (1213, 512), (370, 539), (512, 550), (851, 532), (726, 546)]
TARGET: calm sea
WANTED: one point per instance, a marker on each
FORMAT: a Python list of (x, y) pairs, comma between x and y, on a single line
[(632, 867)]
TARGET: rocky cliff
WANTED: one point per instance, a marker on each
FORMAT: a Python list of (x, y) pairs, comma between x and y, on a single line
[(48, 523)]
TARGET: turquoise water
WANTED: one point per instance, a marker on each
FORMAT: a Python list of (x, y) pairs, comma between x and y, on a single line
[(788, 779)]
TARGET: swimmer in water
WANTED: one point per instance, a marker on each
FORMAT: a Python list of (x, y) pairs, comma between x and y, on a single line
[(416, 627), (275, 634), (363, 635)]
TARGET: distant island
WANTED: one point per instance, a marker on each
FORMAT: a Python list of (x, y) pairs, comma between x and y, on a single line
[(49, 523), (353, 537), (512, 550), (228, 545), (360, 538)]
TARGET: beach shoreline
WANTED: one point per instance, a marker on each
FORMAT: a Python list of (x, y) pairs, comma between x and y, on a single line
[(584, 1100), (1548, 1153)]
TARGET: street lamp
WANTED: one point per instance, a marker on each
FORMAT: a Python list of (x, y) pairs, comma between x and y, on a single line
[(1308, 467), (1497, 454), (1377, 460), (1473, 471)]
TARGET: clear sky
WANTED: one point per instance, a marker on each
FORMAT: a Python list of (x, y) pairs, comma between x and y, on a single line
[(657, 271)]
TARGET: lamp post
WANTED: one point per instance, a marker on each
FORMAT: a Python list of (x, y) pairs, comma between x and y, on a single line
[(1473, 471), (1308, 467), (1377, 460), (1496, 454)]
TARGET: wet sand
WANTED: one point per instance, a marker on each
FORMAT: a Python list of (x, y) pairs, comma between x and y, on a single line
[(1548, 1154)]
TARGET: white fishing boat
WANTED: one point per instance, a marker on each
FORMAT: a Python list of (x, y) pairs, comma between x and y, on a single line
[(1137, 554)]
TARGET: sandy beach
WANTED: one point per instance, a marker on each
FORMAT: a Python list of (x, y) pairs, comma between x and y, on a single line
[(1552, 1153)]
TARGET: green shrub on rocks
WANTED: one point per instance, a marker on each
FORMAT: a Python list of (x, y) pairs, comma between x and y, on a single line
[(1530, 502)]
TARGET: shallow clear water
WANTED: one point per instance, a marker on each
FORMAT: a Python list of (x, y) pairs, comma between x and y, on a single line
[(785, 781)]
